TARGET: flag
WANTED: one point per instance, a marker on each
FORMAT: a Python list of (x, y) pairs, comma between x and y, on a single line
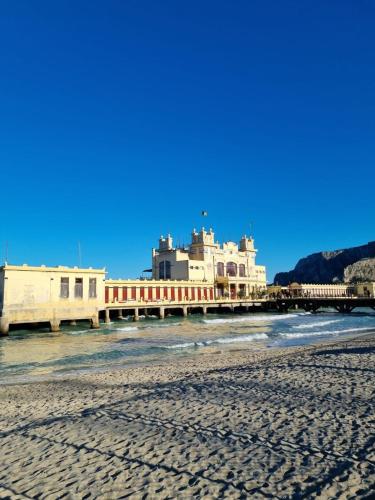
[(204, 213)]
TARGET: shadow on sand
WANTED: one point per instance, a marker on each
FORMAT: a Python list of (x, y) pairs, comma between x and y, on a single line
[(346, 350)]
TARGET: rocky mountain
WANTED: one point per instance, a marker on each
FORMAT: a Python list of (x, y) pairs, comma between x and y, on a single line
[(362, 270), (349, 264)]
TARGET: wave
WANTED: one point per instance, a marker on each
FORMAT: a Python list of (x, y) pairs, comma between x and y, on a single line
[(78, 332), (319, 323), (160, 325), (253, 318), (324, 332), (126, 329), (224, 340)]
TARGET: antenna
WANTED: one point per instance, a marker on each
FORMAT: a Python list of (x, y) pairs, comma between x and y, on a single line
[(79, 255), (6, 253)]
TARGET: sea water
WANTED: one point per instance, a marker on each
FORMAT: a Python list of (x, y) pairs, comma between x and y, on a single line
[(28, 355)]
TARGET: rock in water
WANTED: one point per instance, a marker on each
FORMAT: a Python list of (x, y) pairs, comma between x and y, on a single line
[(348, 264)]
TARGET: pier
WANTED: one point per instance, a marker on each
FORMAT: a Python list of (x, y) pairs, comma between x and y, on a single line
[(163, 309), (313, 304)]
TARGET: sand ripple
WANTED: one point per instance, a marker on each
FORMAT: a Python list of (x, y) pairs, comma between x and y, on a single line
[(288, 424)]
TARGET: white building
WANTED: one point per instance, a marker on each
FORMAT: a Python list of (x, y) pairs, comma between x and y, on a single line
[(230, 267)]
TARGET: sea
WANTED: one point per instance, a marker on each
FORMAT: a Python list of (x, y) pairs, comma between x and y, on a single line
[(33, 355)]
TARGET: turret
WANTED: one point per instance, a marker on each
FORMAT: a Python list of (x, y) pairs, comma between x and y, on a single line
[(165, 244), (194, 236), (204, 237), (247, 244)]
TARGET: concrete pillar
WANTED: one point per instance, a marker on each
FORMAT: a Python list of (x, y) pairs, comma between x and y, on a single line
[(120, 314), (4, 326), (54, 325), (107, 317), (136, 314), (161, 312), (185, 311), (73, 323), (204, 308), (95, 321)]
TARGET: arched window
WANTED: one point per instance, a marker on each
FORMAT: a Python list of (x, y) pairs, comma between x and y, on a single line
[(241, 269), (220, 268), (231, 269)]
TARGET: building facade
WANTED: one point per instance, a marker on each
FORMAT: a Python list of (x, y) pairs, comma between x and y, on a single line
[(229, 267), (366, 289), (50, 294), (141, 292), (321, 290)]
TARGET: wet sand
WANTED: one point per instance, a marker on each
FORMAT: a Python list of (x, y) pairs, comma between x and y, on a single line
[(286, 423)]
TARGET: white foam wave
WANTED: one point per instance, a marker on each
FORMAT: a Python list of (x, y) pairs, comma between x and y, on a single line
[(161, 325), (78, 332), (325, 332), (244, 338), (224, 340), (253, 318), (317, 324), (126, 329)]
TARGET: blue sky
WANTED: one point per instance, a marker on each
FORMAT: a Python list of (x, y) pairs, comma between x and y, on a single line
[(122, 120)]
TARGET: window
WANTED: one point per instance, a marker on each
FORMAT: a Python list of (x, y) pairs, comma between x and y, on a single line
[(165, 270), (161, 270), (92, 288), (231, 269), (64, 288), (220, 268), (241, 269), (78, 288)]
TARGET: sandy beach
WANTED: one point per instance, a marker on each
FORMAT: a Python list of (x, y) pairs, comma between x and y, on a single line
[(276, 423)]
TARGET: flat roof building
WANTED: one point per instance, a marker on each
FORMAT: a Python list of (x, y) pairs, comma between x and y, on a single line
[(50, 294)]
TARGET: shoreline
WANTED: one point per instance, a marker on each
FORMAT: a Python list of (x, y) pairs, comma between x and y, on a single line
[(199, 427), (228, 356)]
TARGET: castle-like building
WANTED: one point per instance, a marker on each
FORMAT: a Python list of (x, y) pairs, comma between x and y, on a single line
[(202, 273), (229, 267)]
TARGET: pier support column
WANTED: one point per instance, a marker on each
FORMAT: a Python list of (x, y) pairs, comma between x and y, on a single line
[(136, 314), (120, 316), (73, 323), (204, 309), (95, 321), (161, 313), (185, 311), (4, 326), (54, 325), (107, 317)]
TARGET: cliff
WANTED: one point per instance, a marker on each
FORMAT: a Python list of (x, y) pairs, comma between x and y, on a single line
[(363, 270), (328, 267)]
